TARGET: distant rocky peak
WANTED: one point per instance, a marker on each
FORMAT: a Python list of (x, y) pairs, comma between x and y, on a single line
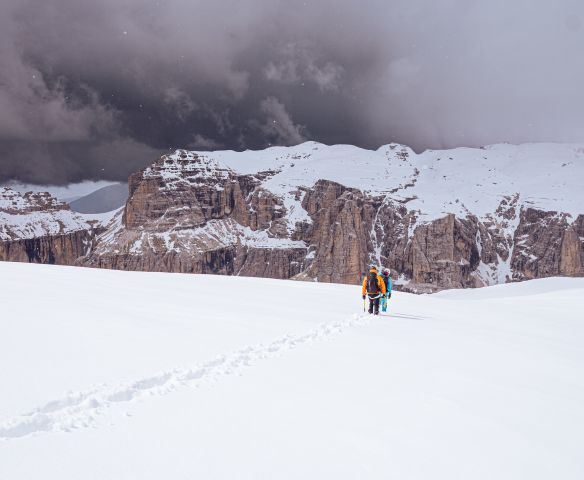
[(35, 226), (185, 169), (13, 202)]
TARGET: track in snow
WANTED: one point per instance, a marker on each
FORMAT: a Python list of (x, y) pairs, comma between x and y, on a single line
[(80, 409)]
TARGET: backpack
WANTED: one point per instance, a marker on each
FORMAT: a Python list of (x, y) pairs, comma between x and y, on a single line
[(372, 285)]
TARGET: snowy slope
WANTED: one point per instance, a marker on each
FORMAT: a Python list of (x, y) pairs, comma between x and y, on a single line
[(546, 176), (38, 214), (147, 376), (31, 215)]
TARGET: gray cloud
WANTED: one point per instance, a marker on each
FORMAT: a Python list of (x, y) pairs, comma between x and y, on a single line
[(279, 128), (298, 64), (94, 90), (179, 102), (34, 108), (199, 142)]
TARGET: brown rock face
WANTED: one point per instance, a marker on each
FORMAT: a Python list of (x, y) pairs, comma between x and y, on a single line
[(189, 192), (190, 215), (350, 230), (270, 263), (444, 253), (546, 245), (51, 249), (337, 235), (578, 227), (571, 254), (538, 243), (37, 228)]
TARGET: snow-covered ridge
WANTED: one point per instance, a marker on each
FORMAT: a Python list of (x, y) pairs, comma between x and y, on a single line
[(187, 168), (38, 214), (14, 202), (435, 182)]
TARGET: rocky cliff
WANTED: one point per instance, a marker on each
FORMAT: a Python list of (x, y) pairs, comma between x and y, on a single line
[(186, 214), (441, 219), (36, 227)]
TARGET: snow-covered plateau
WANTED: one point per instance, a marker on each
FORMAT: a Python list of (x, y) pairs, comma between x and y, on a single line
[(129, 375), (467, 217), (435, 182)]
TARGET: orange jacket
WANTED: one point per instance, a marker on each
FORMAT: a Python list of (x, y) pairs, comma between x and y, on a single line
[(380, 283)]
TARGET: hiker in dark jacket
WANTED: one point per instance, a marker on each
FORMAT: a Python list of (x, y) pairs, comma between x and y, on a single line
[(374, 287)]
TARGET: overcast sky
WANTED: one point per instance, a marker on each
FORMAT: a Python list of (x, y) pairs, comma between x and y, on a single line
[(97, 89)]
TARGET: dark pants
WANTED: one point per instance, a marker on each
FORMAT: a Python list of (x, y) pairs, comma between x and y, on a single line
[(374, 304)]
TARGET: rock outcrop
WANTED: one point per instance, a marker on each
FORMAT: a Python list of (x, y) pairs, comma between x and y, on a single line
[(547, 244), (190, 215), (52, 249), (37, 228)]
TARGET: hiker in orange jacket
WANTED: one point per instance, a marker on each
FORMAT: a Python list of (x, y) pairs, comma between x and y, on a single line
[(374, 287)]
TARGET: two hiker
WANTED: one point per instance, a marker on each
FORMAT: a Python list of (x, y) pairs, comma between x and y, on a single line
[(377, 288)]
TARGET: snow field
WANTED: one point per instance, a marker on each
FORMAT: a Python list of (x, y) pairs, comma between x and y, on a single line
[(143, 375)]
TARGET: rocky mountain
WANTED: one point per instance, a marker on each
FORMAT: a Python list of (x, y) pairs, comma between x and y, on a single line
[(440, 219), (36, 227)]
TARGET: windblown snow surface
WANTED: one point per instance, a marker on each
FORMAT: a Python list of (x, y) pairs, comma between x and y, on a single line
[(123, 375)]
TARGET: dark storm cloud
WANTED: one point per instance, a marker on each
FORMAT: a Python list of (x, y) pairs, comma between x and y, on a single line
[(97, 89)]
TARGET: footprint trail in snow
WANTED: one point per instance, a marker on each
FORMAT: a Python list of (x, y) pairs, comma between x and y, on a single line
[(81, 409)]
